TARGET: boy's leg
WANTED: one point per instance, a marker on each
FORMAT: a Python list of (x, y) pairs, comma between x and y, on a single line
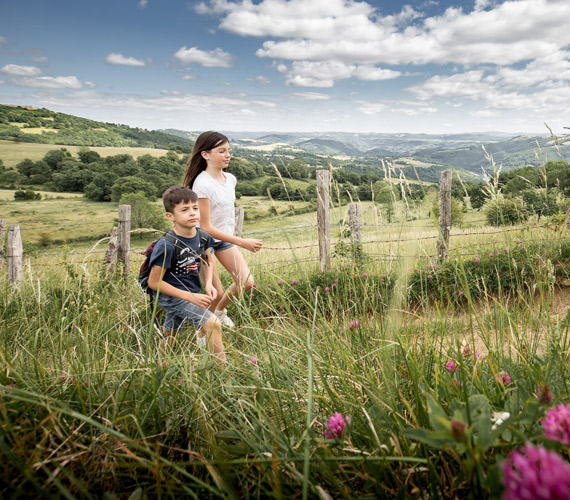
[(205, 321), (212, 331), (172, 325)]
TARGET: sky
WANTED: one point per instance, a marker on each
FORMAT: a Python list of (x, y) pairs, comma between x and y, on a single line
[(427, 66)]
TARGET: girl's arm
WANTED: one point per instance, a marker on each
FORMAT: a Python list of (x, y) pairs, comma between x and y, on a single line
[(155, 282), (208, 276), (250, 244)]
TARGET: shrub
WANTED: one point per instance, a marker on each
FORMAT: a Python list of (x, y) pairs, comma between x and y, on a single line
[(506, 211)]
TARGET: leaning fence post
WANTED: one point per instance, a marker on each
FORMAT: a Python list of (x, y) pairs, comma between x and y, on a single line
[(239, 222), (124, 240), (14, 255), (110, 259), (323, 218), (354, 222), (444, 214), (2, 234)]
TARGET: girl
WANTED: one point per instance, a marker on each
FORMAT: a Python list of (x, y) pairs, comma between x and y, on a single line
[(206, 175)]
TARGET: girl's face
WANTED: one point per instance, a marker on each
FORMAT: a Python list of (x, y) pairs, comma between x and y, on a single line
[(218, 157)]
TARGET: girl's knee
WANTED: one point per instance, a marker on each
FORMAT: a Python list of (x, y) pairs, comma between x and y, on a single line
[(213, 323), (249, 283)]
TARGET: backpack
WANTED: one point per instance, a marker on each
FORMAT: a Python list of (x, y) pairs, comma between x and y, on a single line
[(144, 272)]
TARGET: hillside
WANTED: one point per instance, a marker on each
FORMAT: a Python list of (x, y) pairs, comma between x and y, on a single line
[(27, 124)]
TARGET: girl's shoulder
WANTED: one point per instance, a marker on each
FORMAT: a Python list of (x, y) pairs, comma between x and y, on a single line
[(231, 178)]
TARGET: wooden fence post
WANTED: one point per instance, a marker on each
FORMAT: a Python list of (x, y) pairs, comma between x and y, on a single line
[(124, 240), (110, 259), (2, 234), (14, 255), (239, 222), (323, 218), (354, 222), (444, 214)]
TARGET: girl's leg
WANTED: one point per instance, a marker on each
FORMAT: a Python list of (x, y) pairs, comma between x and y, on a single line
[(213, 333), (233, 261)]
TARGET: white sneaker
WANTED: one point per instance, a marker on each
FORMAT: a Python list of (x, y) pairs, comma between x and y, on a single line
[(224, 318), (201, 341)]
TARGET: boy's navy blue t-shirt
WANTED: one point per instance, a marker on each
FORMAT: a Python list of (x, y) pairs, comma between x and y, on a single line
[(186, 276)]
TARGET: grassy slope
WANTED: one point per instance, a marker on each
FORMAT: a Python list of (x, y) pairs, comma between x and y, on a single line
[(12, 153)]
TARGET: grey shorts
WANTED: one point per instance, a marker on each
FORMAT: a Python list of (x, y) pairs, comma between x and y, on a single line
[(178, 311), (220, 246)]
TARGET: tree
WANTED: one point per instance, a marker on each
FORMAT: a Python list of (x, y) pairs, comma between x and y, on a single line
[(540, 201), (132, 184), (457, 211), (99, 189), (54, 157), (144, 214), (87, 156)]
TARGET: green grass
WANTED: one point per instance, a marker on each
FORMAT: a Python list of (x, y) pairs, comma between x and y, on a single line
[(12, 153)]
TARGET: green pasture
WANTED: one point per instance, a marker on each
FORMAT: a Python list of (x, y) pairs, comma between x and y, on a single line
[(12, 153)]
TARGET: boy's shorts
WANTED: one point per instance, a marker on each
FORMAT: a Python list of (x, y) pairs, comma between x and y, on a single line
[(220, 246), (178, 311)]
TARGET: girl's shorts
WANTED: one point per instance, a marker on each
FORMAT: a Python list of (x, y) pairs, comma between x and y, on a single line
[(220, 246)]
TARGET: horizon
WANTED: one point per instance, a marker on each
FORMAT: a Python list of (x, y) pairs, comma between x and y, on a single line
[(294, 66)]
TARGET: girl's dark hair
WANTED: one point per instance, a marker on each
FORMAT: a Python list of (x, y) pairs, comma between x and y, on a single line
[(175, 195), (197, 164)]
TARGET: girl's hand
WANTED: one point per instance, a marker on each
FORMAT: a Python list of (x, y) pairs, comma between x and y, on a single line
[(252, 245)]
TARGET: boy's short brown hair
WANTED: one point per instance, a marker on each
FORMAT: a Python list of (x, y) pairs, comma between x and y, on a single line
[(175, 195)]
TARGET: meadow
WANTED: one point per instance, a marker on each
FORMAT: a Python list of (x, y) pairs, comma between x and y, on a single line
[(390, 375)]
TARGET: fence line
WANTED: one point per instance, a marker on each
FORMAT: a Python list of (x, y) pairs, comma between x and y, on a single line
[(119, 248)]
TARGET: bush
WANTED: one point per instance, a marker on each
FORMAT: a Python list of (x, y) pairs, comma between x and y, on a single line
[(506, 211), (27, 195)]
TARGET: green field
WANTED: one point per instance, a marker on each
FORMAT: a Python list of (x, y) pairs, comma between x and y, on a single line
[(12, 153)]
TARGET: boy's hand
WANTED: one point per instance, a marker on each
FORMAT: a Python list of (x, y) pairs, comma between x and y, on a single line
[(211, 291), (199, 299)]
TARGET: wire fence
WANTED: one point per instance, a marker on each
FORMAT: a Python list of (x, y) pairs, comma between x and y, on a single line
[(305, 250)]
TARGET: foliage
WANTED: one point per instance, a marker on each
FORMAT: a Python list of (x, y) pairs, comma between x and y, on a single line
[(505, 211), (457, 211), (144, 214), (29, 194)]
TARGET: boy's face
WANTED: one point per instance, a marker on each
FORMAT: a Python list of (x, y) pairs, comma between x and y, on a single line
[(186, 214)]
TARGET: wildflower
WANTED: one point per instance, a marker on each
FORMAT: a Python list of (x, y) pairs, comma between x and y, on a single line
[(460, 292), (253, 361), (544, 395), (336, 426), (327, 288), (490, 255), (534, 472), (479, 355), (251, 294), (457, 429), (333, 285), (499, 417), (477, 259), (522, 247), (518, 241), (504, 378), (557, 424), (364, 275), (294, 282), (269, 285), (354, 324), (429, 276), (451, 366), (280, 282)]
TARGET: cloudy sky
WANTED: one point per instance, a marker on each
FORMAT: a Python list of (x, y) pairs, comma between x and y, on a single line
[(293, 65)]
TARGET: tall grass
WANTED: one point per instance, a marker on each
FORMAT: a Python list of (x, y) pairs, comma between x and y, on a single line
[(89, 407)]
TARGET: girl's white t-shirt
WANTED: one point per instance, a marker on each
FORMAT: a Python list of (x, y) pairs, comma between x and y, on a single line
[(222, 196)]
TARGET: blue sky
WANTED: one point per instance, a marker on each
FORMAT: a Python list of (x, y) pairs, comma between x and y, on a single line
[(293, 65)]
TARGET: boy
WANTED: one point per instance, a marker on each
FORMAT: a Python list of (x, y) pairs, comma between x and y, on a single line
[(179, 288)]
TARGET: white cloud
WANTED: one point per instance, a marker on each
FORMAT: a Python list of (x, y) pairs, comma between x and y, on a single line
[(189, 77), (310, 96), (211, 59), (116, 58), (48, 82), (371, 108), (142, 4), (374, 73), (263, 80), (355, 33), (16, 70)]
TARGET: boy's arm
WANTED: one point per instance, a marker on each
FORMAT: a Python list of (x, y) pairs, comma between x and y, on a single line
[(155, 282), (208, 275)]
